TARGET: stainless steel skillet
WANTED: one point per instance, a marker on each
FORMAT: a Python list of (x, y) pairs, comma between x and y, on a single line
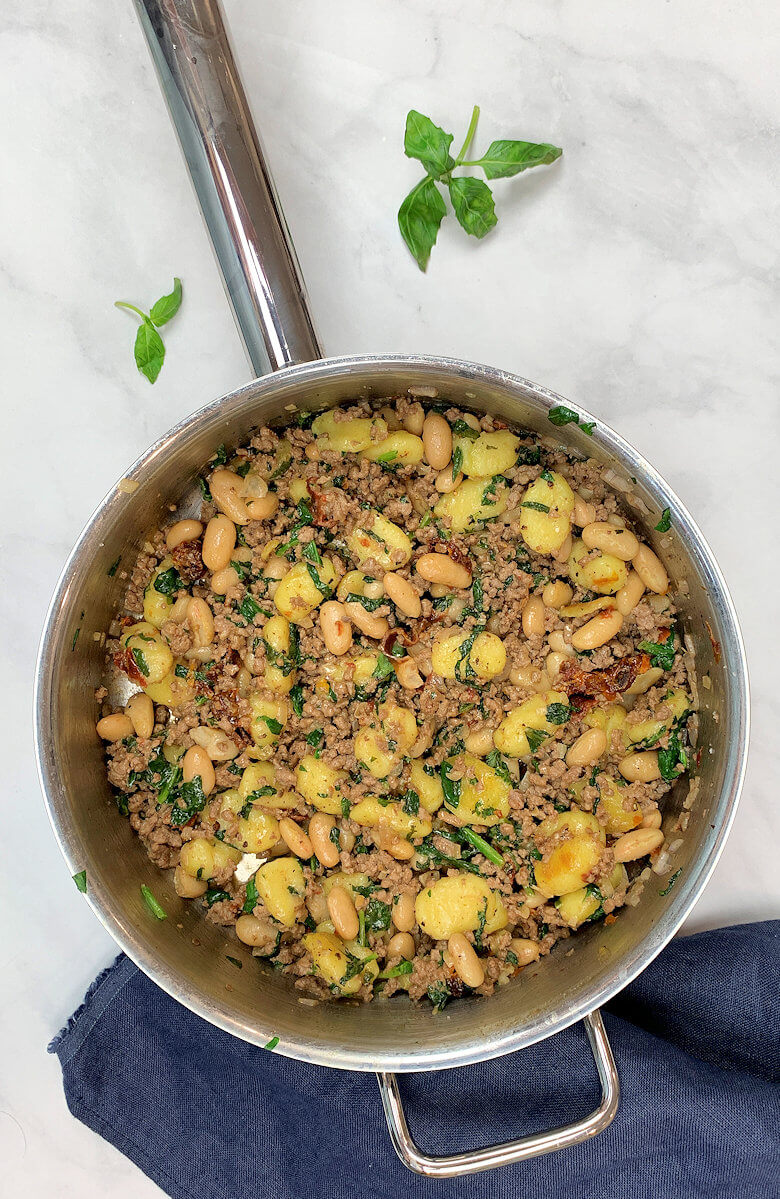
[(185, 955)]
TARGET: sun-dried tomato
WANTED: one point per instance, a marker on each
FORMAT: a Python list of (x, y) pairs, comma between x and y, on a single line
[(188, 560), (584, 687), (125, 662)]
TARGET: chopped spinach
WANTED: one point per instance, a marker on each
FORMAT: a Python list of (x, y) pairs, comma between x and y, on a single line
[(411, 803), (395, 971), (378, 915), (495, 760), (252, 896), (450, 787), (439, 995), (296, 699), (558, 713), (662, 654), (671, 882), (188, 802), (249, 608), (461, 428), (673, 760), (535, 737)]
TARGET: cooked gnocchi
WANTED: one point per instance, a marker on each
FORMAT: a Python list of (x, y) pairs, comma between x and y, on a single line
[(417, 695)]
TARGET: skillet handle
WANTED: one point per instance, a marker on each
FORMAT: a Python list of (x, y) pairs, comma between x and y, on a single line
[(208, 106), (459, 1164)]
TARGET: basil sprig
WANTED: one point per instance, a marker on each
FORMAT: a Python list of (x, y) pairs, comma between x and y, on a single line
[(149, 349), (423, 210)]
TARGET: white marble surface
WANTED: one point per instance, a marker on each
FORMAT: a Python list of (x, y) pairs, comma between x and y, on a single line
[(637, 277)]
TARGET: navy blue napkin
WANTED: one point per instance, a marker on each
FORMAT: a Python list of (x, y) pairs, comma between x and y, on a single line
[(207, 1116)]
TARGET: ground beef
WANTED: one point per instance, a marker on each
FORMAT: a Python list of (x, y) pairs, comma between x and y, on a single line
[(266, 701)]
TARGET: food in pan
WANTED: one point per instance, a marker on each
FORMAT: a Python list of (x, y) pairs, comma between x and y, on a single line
[(407, 695)]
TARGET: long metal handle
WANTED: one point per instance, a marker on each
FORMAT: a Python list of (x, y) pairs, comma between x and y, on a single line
[(488, 1158), (199, 78)]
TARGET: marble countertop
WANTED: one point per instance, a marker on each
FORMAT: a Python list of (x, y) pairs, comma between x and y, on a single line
[(636, 277)]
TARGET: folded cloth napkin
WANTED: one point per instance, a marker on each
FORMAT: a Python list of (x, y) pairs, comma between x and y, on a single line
[(209, 1117)]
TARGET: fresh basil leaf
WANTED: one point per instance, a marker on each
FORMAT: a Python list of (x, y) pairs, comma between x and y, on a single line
[(537, 507), (167, 306), (665, 523), (428, 143), (419, 218), (472, 200), (502, 159), (80, 880), (274, 725), (149, 350), (215, 895)]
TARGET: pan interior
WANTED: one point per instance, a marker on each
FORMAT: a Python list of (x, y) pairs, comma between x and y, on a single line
[(185, 954)]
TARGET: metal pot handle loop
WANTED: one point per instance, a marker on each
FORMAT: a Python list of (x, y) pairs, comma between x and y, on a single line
[(472, 1162)]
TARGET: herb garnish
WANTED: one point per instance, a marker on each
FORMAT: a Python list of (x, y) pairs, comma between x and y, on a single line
[(154, 907), (665, 523), (662, 653), (169, 582), (671, 882), (149, 349), (557, 713), (80, 880), (252, 896), (561, 415), (423, 210)]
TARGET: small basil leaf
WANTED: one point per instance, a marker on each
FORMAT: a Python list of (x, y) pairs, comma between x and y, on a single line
[(505, 158), (428, 143), (419, 218), (472, 200), (149, 350), (167, 306)]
